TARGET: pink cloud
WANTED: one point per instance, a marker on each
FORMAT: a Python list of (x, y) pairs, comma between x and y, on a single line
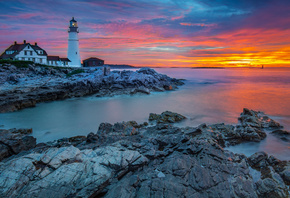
[(199, 24)]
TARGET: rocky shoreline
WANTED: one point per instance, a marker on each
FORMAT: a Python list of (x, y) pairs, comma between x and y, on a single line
[(25, 86), (155, 159)]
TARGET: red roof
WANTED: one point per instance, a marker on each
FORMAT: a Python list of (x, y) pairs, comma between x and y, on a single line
[(57, 58), (18, 48), (65, 59), (93, 59), (54, 58)]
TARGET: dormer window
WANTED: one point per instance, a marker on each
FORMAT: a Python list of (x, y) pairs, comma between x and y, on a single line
[(9, 52), (28, 47), (40, 52)]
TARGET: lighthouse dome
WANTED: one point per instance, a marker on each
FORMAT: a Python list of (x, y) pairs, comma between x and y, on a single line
[(73, 23)]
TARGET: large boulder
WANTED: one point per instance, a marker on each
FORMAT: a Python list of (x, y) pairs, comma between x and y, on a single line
[(66, 171), (257, 119), (119, 129), (166, 117), (14, 141)]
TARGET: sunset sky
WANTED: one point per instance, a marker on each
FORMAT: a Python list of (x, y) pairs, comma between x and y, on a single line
[(188, 33)]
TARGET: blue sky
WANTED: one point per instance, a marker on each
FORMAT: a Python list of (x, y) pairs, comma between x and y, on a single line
[(156, 33)]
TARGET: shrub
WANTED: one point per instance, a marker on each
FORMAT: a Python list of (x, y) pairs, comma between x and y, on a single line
[(17, 63), (73, 72), (24, 64)]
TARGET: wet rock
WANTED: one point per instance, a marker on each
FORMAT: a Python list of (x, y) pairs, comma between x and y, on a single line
[(117, 86), (258, 160), (271, 183), (91, 138), (77, 139), (283, 135), (143, 90), (49, 84), (160, 89), (14, 141), (166, 117), (119, 128), (257, 119), (157, 161), (66, 171)]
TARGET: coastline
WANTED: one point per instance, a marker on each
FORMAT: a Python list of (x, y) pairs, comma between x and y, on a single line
[(23, 87), (142, 159), (152, 158)]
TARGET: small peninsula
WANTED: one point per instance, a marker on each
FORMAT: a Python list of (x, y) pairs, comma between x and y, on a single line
[(24, 84)]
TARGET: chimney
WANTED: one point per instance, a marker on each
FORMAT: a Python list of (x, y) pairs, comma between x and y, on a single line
[(24, 41), (15, 42), (35, 44)]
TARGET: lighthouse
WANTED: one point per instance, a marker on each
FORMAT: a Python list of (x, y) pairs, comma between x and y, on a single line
[(73, 52)]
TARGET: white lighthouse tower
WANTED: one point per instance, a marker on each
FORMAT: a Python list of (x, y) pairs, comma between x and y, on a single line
[(73, 52)]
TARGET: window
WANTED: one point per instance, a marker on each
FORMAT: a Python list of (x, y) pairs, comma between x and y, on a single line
[(40, 60), (23, 58), (29, 59), (25, 53), (28, 47), (33, 59), (40, 51), (30, 53)]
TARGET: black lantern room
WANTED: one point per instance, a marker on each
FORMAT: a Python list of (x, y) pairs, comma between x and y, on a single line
[(73, 25)]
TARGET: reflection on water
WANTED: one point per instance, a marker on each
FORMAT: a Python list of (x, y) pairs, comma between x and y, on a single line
[(209, 95)]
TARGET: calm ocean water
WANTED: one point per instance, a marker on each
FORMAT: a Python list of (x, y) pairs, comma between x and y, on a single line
[(209, 96)]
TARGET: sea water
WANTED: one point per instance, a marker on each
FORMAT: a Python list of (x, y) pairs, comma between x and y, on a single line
[(208, 96)]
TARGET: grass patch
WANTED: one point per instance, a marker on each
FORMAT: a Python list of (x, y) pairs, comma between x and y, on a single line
[(73, 72), (17, 63), (24, 64)]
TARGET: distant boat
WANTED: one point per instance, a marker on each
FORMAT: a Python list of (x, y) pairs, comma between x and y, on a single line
[(262, 67)]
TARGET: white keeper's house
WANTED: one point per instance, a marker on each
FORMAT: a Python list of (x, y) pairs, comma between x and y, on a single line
[(28, 52)]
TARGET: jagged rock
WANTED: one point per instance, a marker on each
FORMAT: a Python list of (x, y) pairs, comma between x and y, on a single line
[(48, 84), (77, 139), (156, 88), (14, 141), (286, 175), (283, 135), (166, 117), (258, 160), (257, 119), (117, 86), (66, 171), (158, 161), (119, 128), (143, 89)]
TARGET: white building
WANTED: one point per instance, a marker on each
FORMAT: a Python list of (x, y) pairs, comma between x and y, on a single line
[(73, 52), (27, 52), (57, 61)]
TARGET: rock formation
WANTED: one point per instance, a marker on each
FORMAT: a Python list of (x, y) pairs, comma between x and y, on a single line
[(26, 86), (127, 159)]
